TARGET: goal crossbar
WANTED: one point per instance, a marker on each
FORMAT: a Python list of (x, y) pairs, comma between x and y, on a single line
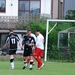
[(47, 31)]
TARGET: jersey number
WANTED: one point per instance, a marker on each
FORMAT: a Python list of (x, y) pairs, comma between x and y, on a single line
[(13, 40)]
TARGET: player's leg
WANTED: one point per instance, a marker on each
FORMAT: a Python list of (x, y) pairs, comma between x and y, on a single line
[(25, 62), (25, 59), (28, 60), (11, 53), (40, 59), (41, 64), (37, 56), (31, 62), (11, 62), (31, 58)]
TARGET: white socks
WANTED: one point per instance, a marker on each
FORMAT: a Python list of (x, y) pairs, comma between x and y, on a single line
[(12, 65)]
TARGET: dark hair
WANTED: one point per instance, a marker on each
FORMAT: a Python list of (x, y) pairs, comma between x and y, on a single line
[(28, 29), (11, 29), (37, 30)]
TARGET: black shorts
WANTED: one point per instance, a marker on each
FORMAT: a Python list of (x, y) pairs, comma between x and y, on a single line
[(11, 52), (27, 52)]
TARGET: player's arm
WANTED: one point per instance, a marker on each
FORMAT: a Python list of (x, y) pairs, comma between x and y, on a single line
[(32, 44), (6, 45), (6, 42), (20, 44), (18, 39), (23, 43)]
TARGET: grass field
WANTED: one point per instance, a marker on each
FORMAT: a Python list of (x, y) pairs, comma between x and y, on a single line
[(50, 68)]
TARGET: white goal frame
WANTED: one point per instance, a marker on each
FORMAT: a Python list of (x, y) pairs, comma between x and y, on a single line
[(48, 32)]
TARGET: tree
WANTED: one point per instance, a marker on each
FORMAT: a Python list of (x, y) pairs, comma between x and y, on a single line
[(70, 15)]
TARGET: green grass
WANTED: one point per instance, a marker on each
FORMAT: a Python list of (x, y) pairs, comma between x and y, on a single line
[(50, 68)]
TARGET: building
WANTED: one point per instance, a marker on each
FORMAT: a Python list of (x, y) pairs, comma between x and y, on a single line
[(55, 8), (10, 10), (18, 7), (60, 7), (13, 11)]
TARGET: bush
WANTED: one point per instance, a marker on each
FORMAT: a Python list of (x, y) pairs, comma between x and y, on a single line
[(72, 49), (54, 53)]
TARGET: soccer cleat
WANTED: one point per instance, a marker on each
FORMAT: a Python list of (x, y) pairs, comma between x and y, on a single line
[(30, 68), (24, 67), (41, 66), (33, 64), (37, 69), (11, 68)]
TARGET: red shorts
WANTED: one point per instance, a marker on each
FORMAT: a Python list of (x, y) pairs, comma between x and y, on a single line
[(38, 52)]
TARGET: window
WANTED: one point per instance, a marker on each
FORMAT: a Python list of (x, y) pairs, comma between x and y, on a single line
[(34, 7), (24, 5), (2, 5), (29, 6)]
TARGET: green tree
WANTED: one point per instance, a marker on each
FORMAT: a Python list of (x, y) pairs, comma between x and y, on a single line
[(70, 15)]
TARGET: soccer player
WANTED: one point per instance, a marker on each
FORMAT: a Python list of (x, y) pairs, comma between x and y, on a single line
[(38, 54), (28, 43), (33, 35), (11, 45)]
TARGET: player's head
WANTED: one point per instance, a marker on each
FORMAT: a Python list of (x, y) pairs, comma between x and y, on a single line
[(29, 32), (37, 32), (11, 29)]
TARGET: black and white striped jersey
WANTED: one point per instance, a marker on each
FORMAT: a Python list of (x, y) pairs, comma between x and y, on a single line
[(28, 40), (12, 40)]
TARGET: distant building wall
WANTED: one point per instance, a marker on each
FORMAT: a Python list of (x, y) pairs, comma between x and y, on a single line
[(57, 9), (11, 8), (54, 9), (46, 7), (60, 9)]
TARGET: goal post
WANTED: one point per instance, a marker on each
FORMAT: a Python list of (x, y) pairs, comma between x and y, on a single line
[(49, 31)]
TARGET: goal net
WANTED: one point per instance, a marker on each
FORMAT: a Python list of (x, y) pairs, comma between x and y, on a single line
[(66, 30)]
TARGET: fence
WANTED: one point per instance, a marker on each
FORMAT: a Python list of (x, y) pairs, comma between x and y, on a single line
[(11, 21)]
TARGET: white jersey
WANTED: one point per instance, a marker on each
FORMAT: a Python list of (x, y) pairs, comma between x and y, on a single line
[(40, 41), (33, 36)]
